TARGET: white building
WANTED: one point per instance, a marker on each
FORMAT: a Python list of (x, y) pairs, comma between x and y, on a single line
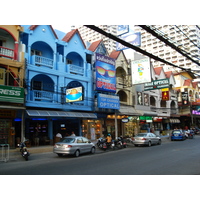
[(186, 37), (90, 35)]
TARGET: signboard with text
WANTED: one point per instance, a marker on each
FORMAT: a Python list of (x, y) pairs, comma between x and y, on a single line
[(108, 101), (157, 84)]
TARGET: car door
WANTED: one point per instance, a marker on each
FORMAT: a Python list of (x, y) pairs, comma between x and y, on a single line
[(153, 138), (80, 144), (87, 144)]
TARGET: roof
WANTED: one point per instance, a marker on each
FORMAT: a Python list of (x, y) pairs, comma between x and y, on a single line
[(168, 74), (94, 45), (32, 27), (70, 35), (114, 54), (158, 70)]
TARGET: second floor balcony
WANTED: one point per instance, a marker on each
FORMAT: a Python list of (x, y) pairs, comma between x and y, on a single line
[(74, 69), (42, 61), (6, 52)]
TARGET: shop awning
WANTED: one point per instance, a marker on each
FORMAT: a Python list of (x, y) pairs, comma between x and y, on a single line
[(174, 121), (49, 113), (128, 110)]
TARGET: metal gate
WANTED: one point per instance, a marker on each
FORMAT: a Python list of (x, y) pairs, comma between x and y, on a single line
[(4, 152)]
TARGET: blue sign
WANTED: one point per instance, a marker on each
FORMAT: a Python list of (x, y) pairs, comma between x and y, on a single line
[(105, 73), (131, 38), (122, 29), (108, 101)]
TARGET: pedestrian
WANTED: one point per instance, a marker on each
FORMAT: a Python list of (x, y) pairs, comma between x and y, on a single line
[(58, 137), (73, 134)]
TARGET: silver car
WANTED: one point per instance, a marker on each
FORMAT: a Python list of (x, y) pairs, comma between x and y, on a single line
[(146, 139), (74, 145)]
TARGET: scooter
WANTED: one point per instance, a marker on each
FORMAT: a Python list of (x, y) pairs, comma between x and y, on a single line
[(189, 134), (24, 151)]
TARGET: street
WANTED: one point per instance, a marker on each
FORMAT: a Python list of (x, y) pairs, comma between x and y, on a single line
[(171, 158)]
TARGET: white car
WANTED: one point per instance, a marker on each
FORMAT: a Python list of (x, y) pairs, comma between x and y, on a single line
[(74, 145), (146, 139)]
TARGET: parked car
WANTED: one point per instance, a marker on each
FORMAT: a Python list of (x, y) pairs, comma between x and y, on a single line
[(74, 145), (178, 135), (146, 139)]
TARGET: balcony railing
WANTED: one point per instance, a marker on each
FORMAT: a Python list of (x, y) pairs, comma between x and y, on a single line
[(74, 69), (6, 52), (42, 96), (42, 61)]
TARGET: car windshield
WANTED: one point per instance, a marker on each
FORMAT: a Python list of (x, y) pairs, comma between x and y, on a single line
[(176, 131), (67, 140), (141, 135)]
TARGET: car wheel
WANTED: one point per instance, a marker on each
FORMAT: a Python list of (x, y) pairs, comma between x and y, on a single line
[(136, 145), (60, 154), (77, 153), (149, 143), (92, 150)]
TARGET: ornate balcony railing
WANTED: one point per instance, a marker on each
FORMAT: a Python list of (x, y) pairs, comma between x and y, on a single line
[(75, 69), (42, 95), (42, 61), (6, 52)]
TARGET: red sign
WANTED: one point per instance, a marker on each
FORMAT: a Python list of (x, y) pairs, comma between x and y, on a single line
[(165, 95)]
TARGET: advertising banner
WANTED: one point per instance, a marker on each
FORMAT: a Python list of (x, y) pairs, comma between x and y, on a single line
[(105, 73), (108, 101), (157, 84), (141, 71), (122, 29), (132, 38), (74, 94), (11, 94)]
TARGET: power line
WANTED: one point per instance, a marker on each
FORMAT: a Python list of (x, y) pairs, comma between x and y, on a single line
[(132, 46), (154, 33)]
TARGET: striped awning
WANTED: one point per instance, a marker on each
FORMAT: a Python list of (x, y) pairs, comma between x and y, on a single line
[(50, 113)]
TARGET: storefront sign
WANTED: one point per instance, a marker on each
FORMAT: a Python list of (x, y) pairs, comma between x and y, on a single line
[(74, 94), (2, 76), (165, 94), (105, 73), (108, 101), (11, 94), (157, 84), (125, 120)]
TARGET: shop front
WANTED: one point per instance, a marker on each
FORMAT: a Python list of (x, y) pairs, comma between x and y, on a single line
[(41, 126)]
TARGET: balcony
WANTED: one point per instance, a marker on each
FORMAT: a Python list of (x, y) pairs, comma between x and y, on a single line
[(74, 69), (42, 96), (6, 52), (42, 61)]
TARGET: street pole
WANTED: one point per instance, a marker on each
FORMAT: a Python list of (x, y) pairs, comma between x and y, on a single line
[(22, 127), (116, 129)]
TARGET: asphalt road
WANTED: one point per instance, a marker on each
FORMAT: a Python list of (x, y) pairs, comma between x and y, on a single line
[(172, 158)]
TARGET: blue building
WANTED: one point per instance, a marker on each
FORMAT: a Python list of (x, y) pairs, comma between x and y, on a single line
[(58, 82)]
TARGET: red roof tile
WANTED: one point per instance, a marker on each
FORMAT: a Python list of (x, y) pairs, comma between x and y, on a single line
[(94, 45), (168, 74), (158, 70), (70, 35), (114, 54), (187, 82)]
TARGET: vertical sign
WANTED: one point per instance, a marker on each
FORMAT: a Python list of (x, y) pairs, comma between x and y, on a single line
[(185, 100), (141, 72), (105, 73), (2, 76)]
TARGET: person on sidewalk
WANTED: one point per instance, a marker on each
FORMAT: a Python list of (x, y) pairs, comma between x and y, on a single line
[(73, 134), (58, 137)]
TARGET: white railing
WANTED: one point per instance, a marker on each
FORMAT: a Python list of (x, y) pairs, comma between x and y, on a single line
[(42, 95), (6, 52), (42, 61)]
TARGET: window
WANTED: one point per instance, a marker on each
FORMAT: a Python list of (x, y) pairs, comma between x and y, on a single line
[(36, 52), (1, 43), (37, 85), (69, 61)]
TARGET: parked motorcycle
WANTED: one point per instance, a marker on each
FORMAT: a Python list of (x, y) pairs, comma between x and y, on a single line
[(24, 151), (104, 145), (120, 143)]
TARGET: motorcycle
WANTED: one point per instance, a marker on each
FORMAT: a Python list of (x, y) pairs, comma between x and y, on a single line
[(189, 134), (104, 145), (24, 151), (120, 143)]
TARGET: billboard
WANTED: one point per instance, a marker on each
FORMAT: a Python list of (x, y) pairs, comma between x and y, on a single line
[(105, 73), (185, 98), (108, 101), (141, 71), (122, 29), (74, 94), (132, 38), (157, 84)]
